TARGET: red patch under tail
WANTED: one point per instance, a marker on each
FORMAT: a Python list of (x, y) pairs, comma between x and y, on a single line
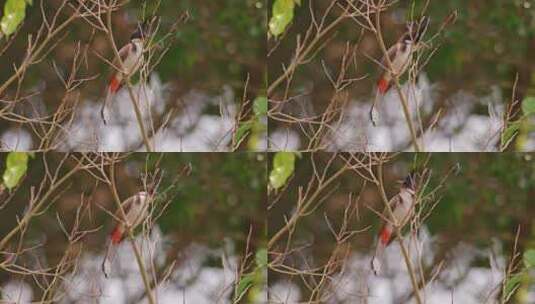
[(116, 235), (115, 85), (382, 85), (385, 236)]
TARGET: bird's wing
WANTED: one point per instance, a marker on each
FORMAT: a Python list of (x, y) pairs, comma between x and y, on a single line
[(390, 53), (416, 29), (126, 205), (123, 53), (394, 201)]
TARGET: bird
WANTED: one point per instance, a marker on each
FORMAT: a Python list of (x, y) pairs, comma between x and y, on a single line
[(136, 209), (399, 55), (131, 56), (402, 206)]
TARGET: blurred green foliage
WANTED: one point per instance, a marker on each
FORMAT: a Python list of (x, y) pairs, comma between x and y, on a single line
[(256, 126), (254, 281), (16, 166), (14, 13), (490, 41), (514, 280), (487, 198), (221, 197), (479, 54), (282, 14), (282, 168), (210, 199), (223, 39), (220, 44), (522, 127)]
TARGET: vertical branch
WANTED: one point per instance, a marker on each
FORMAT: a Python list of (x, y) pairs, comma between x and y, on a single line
[(404, 251), (402, 96), (139, 259), (128, 84)]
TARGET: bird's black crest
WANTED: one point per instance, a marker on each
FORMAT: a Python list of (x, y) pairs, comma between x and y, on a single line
[(416, 29), (144, 29), (138, 33), (410, 181)]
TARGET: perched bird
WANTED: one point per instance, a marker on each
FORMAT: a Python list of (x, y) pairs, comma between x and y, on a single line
[(136, 209), (131, 56), (399, 54), (402, 206)]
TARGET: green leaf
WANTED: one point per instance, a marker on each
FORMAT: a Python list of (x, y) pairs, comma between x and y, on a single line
[(511, 286), (243, 129), (510, 132), (16, 166), (14, 13), (529, 258), (246, 281), (282, 15), (528, 106), (283, 168), (260, 106), (261, 257)]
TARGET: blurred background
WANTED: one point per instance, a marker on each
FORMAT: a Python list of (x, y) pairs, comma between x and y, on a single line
[(213, 69), (465, 244), (211, 224), (470, 77)]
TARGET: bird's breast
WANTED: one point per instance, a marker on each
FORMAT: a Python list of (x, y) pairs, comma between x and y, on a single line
[(133, 60)]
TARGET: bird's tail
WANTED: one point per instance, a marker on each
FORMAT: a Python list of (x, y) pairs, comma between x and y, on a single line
[(374, 115), (113, 88), (109, 96), (116, 237), (109, 257), (384, 239)]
